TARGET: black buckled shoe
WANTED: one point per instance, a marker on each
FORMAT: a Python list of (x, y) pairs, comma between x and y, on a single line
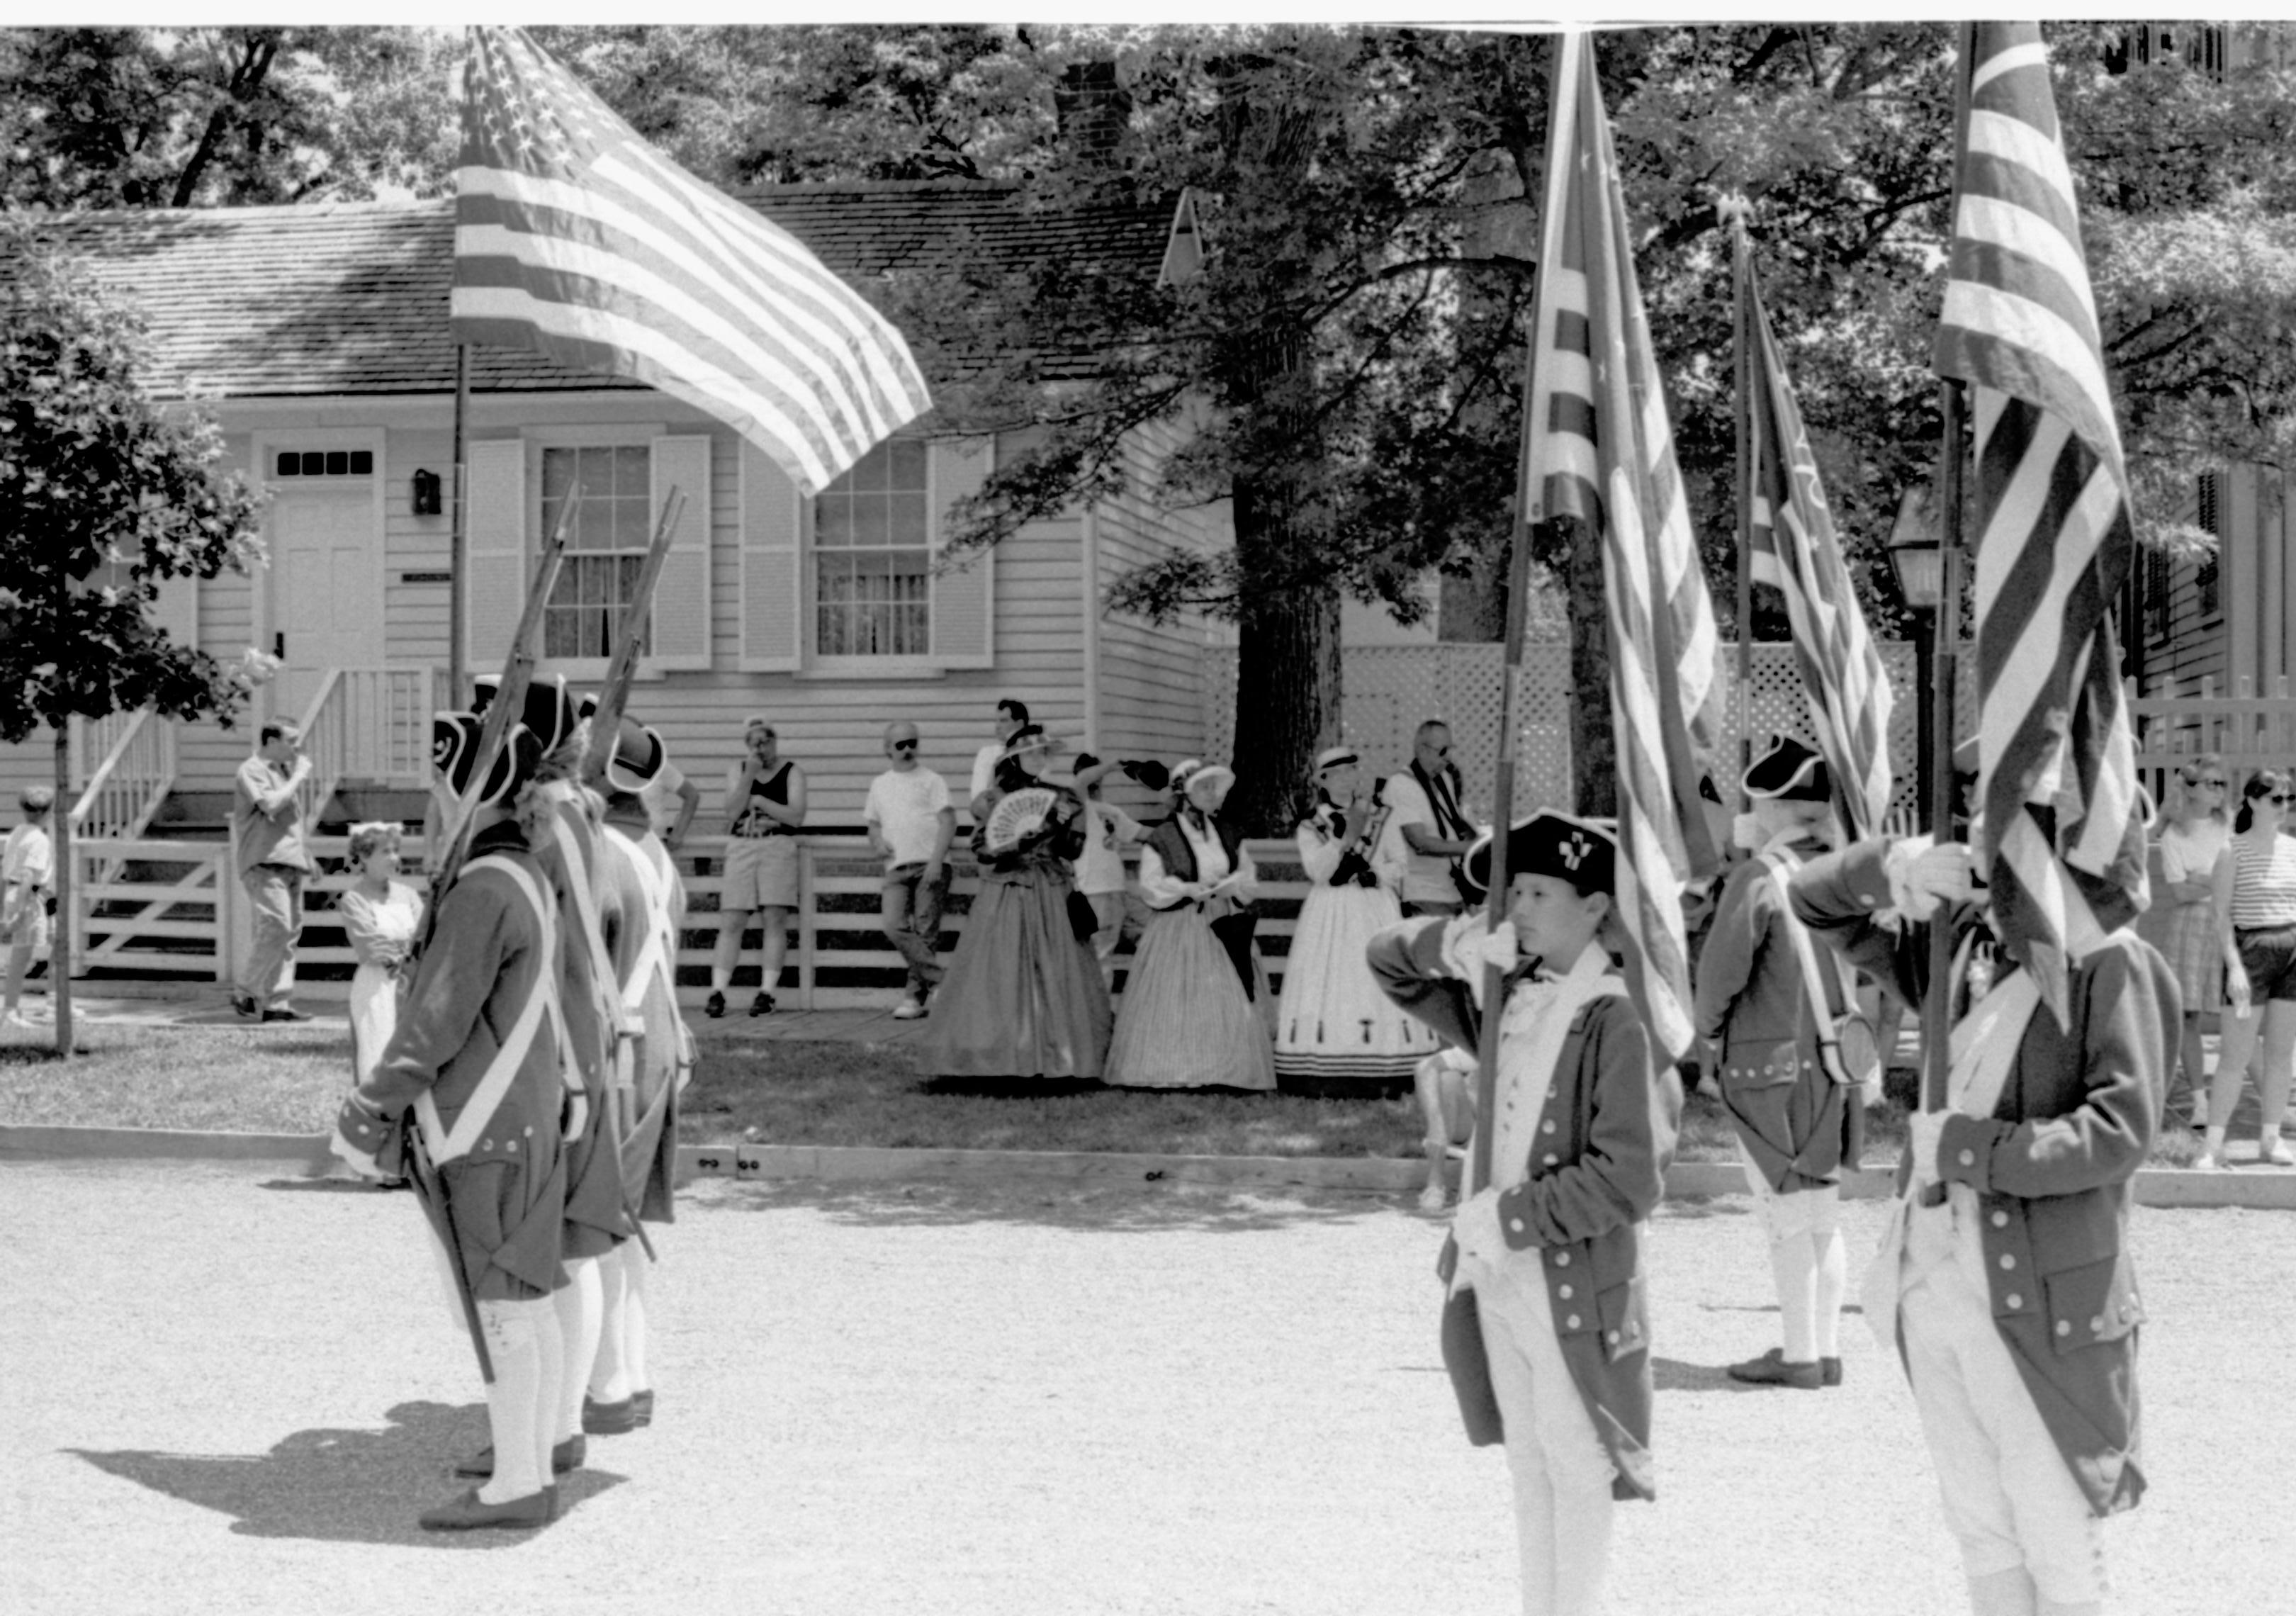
[(564, 1457), (609, 1419), (642, 1407), (470, 1512), (1771, 1369), (763, 1005)]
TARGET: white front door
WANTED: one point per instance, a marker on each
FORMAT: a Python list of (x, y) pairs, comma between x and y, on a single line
[(326, 595)]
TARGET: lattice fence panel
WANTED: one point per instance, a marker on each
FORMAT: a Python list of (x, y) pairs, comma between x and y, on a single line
[(1388, 690)]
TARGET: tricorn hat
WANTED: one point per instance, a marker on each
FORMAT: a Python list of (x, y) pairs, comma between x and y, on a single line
[(1583, 852), (638, 754), (548, 715), (454, 755), (1788, 772)]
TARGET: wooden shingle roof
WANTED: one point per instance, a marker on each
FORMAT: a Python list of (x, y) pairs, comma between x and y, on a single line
[(282, 302)]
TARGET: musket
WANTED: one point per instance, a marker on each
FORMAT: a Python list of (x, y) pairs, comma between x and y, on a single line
[(518, 669), (605, 728)]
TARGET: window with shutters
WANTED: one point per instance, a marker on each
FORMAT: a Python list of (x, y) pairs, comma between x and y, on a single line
[(605, 546), (872, 557), (2211, 517)]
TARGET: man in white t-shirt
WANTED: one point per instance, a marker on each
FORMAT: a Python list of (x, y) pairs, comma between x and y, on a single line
[(910, 822), (1426, 823), (1010, 716), (1100, 867)]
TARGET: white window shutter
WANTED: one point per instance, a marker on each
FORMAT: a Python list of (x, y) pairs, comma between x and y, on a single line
[(680, 637), (494, 595), (963, 601), (772, 586)]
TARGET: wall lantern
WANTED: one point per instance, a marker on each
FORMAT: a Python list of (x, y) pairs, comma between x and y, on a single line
[(426, 493)]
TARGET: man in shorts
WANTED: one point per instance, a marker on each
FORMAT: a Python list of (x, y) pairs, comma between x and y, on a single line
[(1424, 816), (765, 808)]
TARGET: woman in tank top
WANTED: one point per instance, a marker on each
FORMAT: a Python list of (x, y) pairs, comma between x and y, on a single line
[(2255, 883)]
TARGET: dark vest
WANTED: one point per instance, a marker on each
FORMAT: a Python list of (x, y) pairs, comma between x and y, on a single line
[(1171, 845)]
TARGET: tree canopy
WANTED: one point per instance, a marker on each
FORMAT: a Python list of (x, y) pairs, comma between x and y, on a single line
[(104, 493)]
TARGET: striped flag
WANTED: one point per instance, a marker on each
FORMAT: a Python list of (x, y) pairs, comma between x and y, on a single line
[(1791, 546), (2065, 845), (575, 237), (1598, 447)]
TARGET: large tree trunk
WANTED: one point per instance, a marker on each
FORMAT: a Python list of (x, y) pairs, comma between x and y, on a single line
[(1287, 699), (1593, 747)]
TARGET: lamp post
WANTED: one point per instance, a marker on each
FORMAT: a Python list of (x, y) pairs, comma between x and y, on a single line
[(1920, 566)]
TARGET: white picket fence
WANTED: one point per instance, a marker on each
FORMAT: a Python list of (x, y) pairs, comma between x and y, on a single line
[(188, 918)]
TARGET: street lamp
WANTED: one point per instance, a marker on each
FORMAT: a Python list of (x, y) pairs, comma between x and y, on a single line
[(1919, 562)]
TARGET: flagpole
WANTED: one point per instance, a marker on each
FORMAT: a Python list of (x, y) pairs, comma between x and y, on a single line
[(1741, 345), (458, 535), (1938, 1000)]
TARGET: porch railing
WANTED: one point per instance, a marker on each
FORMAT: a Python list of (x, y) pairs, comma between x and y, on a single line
[(128, 777), (370, 724), (2249, 730)]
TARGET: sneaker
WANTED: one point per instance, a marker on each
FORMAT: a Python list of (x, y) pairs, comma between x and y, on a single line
[(243, 1005), (2208, 1161), (1771, 1369), (908, 1010), (2278, 1155), (763, 1005), (714, 1005), (18, 1020)]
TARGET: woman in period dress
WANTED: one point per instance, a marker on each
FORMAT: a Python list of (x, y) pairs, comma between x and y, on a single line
[(1023, 997), (1189, 1021), (1335, 1030), (382, 916)]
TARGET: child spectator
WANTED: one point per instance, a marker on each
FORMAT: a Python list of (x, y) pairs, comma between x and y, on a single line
[(1109, 830)]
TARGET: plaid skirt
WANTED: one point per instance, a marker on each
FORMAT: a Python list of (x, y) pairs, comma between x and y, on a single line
[(2195, 953)]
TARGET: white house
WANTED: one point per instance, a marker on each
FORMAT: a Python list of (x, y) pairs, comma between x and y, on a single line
[(318, 336)]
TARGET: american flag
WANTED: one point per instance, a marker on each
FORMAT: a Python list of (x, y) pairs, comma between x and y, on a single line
[(1598, 447), (573, 236), (2057, 771), (1792, 547)]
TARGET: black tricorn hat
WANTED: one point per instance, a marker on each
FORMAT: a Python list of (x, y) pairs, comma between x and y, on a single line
[(454, 755), (549, 713), (1788, 772), (639, 753), (1584, 852)]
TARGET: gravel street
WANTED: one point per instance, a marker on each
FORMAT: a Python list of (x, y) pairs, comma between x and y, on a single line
[(233, 1392)]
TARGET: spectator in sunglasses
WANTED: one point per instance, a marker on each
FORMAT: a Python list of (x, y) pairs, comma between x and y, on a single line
[(2255, 883), (911, 820)]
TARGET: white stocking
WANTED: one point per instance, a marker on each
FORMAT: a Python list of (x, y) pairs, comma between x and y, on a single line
[(576, 1303), (515, 1332), (1582, 1547), (1833, 1264), (607, 1382), (635, 1312), (1794, 1267)]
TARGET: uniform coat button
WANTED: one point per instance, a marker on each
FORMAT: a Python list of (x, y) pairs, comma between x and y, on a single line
[(2007, 1261), (2015, 1300), (1553, 1159), (1968, 1158), (1516, 1224), (2096, 1326), (2064, 1326), (2000, 1220), (1563, 1292), (1571, 1322), (1562, 1260)]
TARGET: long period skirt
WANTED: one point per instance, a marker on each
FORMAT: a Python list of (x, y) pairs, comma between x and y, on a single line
[(1334, 1029), (1187, 1021), (374, 1017), (1022, 997)]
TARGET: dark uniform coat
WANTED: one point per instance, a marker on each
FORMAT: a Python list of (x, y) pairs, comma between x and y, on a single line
[(2051, 1168), (630, 852), (484, 964), (1753, 1008), (1598, 1169)]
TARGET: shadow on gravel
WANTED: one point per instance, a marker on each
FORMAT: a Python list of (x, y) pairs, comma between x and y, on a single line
[(342, 1486), (1145, 1209), (1672, 1375)]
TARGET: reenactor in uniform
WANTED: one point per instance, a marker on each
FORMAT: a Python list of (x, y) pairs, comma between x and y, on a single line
[(561, 816), (1546, 1331), (479, 1059), (2003, 1278), (1757, 974), (643, 905)]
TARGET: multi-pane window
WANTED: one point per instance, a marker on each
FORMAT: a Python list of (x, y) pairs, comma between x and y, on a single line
[(324, 463), (872, 557), (605, 546)]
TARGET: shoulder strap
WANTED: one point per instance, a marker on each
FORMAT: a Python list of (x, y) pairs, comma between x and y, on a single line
[(1821, 1004), (442, 1146), (652, 960)]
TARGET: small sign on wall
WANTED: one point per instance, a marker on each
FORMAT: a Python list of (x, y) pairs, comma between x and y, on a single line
[(426, 577)]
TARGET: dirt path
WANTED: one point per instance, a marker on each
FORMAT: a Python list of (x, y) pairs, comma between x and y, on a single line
[(234, 1395)]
